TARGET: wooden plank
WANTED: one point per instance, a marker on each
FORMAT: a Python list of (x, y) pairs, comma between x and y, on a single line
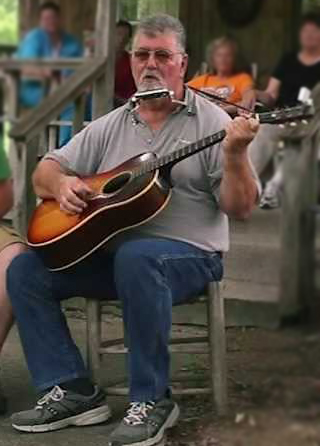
[(123, 391), (103, 89), (57, 64), (30, 125)]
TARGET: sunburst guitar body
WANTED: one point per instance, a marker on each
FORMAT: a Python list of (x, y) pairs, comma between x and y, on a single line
[(121, 201)]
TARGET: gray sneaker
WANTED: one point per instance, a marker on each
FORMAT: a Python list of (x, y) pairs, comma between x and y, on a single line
[(145, 423), (60, 408)]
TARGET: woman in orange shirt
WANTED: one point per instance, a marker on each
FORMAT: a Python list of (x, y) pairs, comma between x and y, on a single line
[(225, 77)]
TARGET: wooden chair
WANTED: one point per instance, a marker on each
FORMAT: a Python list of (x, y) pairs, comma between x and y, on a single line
[(214, 345)]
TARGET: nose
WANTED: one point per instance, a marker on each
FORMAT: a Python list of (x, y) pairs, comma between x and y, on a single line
[(151, 62)]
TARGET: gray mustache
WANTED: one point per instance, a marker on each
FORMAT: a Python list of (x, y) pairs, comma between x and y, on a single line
[(152, 73)]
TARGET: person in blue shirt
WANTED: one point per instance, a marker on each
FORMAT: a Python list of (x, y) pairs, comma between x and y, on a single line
[(49, 40)]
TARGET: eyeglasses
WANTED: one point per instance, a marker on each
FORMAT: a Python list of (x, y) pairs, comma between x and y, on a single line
[(161, 56)]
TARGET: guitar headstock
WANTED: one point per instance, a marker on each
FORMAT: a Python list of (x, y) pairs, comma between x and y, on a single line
[(295, 114)]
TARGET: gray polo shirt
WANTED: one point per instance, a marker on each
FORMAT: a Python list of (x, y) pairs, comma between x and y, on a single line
[(193, 214)]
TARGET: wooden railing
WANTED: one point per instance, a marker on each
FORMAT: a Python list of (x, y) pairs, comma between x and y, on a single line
[(27, 130), (299, 209)]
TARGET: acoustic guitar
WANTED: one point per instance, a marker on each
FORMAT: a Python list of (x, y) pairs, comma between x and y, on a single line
[(126, 196)]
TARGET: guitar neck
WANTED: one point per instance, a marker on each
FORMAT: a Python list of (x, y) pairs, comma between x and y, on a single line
[(272, 117), (180, 154)]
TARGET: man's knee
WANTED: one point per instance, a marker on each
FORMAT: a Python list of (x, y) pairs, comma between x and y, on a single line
[(135, 255), (24, 267)]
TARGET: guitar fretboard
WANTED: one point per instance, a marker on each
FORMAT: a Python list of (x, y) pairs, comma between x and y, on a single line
[(180, 154)]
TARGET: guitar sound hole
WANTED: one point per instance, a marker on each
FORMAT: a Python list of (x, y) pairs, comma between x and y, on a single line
[(116, 183)]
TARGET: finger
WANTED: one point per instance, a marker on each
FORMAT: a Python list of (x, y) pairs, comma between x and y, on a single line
[(73, 200), (83, 190), (69, 209), (254, 124)]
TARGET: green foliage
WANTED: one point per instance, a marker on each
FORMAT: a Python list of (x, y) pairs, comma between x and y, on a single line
[(9, 21), (128, 9)]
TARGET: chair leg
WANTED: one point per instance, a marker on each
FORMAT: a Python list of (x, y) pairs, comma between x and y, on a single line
[(94, 339), (217, 343)]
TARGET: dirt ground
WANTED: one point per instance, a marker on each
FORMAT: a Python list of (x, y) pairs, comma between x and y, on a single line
[(274, 393)]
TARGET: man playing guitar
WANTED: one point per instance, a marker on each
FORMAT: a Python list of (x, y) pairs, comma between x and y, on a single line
[(163, 262)]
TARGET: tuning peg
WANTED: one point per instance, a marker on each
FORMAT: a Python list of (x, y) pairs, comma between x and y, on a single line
[(305, 122), (282, 126), (293, 124)]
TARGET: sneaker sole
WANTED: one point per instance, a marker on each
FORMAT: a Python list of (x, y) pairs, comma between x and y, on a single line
[(170, 422), (94, 416)]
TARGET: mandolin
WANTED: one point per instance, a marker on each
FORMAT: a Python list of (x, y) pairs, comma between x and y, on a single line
[(126, 196)]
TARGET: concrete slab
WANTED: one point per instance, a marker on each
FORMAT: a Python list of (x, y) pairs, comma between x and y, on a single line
[(17, 384), (16, 380)]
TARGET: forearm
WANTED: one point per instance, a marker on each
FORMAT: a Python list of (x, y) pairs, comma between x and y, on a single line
[(6, 197), (238, 192), (266, 98), (35, 73), (47, 177)]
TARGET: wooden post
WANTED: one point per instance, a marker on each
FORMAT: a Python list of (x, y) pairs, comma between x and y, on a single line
[(217, 347), (78, 119), (11, 111), (103, 89), (298, 230), (52, 139), (290, 227), (94, 338), (27, 157)]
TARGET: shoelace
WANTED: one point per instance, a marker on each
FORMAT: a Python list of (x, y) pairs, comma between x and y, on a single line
[(56, 394), (138, 412)]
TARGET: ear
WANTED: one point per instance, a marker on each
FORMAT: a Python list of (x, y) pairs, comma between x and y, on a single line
[(184, 65)]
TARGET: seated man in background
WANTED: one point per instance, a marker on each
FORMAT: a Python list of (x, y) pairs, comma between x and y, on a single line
[(226, 77), (294, 71), (10, 246)]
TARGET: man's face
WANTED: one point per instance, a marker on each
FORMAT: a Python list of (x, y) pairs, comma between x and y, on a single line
[(50, 21), (164, 69), (122, 37), (310, 37)]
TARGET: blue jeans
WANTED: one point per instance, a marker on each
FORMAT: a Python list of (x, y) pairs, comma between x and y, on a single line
[(148, 275)]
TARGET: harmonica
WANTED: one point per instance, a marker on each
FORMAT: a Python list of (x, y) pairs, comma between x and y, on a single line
[(152, 94)]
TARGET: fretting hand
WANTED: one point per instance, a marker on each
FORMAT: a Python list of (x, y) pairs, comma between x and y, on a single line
[(240, 132)]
